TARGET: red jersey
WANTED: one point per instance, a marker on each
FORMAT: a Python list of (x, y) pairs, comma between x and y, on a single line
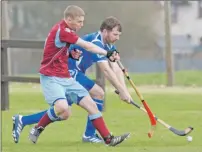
[(55, 56)]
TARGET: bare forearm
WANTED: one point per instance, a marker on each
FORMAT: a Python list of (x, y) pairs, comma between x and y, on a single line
[(120, 77), (95, 49), (119, 73), (91, 47), (111, 76)]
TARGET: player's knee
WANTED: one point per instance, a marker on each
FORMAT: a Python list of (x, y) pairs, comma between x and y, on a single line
[(98, 94), (66, 114), (102, 94), (61, 107)]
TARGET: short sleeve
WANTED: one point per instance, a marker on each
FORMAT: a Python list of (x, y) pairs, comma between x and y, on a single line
[(98, 57), (69, 36)]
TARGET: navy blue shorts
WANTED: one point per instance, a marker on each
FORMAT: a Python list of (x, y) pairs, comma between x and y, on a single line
[(80, 77)]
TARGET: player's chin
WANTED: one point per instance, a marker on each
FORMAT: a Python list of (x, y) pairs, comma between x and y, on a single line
[(113, 41), (77, 29)]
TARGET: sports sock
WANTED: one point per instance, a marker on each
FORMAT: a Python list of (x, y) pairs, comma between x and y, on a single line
[(48, 117), (90, 129), (32, 119), (99, 124)]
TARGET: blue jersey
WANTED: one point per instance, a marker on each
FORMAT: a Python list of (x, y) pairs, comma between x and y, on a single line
[(88, 58)]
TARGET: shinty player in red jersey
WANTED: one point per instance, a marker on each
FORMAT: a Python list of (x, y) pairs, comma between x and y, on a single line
[(57, 84)]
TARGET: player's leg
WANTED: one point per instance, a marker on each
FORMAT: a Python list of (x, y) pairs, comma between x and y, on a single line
[(20, 121), (90, 131), (97, 94), (54, 92), (86, 102), (97, 120)]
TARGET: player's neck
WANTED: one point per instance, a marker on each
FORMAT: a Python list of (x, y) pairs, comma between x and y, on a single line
[(68, 24), (103, 38)]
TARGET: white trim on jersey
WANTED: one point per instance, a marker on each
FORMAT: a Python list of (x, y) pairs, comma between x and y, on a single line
[(97, 40), (102, 61), (78, 62), (109, 46)]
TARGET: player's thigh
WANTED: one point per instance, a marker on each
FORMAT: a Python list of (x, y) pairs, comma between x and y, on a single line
[(52, 90), (62, 108)]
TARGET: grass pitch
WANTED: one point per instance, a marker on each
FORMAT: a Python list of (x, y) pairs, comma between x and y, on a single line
[(179, 107)]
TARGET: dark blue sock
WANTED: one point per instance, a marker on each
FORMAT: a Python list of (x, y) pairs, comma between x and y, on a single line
[(90, 129), (32, 119)]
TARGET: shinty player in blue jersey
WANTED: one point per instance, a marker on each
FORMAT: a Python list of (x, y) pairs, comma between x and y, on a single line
[(109, 33)]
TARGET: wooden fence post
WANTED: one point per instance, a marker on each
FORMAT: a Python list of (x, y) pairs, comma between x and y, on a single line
[(4, 84), (100, 80)]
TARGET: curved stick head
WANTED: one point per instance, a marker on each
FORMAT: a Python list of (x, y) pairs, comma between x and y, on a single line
[(188, 130), (151, 132), (181, 132)]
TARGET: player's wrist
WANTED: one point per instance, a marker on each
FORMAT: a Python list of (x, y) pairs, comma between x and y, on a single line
[(111, 55)]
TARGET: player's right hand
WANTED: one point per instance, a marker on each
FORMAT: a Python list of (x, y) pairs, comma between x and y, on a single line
[(113, 55), (125, 96)]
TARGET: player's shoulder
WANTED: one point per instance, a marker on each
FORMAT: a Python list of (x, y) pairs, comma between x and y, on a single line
[(90, 36), (97, 39)]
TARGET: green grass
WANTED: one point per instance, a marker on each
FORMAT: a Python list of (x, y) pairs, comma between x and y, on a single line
[(178, 109), (187, 78), (181, 78)]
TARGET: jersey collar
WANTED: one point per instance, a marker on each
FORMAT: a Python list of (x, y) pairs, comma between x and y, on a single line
[(66, 25), (104, 44)]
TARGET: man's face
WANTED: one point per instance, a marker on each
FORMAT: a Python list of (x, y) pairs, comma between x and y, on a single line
[(76, 23), (113, 35)]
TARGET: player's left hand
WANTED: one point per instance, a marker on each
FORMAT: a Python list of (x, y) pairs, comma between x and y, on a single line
[(75, 54), (113, 55)]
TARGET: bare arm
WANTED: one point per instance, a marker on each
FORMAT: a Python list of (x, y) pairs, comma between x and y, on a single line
[(66, 35), (111, 76), (91, 47), (119, 74)]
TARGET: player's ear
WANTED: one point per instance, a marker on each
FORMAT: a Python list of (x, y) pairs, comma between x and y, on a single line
[(69, 19), (104, 31)]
